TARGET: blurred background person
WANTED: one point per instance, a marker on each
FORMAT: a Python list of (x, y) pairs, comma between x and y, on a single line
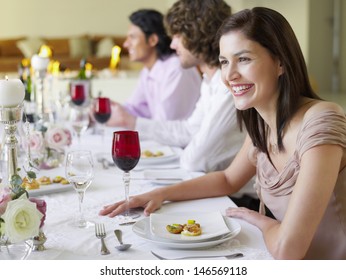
[(210, 137), (165, 90)]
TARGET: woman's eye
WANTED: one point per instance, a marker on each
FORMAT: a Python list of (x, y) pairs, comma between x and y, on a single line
[(244, 59)]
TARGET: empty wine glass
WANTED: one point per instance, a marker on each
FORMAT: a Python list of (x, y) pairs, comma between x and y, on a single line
[(126, 153), (102, 111), (79, 118), (79, 171)]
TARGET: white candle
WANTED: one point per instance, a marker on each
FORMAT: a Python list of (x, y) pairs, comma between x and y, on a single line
[(11, 92), (39, 63)]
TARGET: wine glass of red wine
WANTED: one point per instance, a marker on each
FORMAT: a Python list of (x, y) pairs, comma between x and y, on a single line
[(78, 94), (126, 152), (102, 111)]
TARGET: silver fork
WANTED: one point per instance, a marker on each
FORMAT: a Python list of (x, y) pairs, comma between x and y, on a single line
[(100, 233)]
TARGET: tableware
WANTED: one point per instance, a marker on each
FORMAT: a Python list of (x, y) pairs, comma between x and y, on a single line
[(78, 92), (126, 153), (168, 155), (142, 229), (102, 112), (49, 189), (195, 254), (79, 172), (79, 118), (100, 233), (166, 176), (122, 246), (212, 224), (127, 223)]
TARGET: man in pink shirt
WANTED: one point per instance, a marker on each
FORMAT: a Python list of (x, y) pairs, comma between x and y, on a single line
[(165, 90)]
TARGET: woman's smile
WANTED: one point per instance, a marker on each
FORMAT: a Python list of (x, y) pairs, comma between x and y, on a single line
[(241, 89)]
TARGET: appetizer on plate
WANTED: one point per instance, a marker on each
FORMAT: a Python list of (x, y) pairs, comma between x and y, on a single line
[(191, 228)]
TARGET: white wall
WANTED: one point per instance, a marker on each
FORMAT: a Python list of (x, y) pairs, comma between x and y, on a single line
[(68, 17)]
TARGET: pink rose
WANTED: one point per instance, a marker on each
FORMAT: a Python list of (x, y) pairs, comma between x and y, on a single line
[(57, 138), (41, 206), (5, 197), (36, 142)]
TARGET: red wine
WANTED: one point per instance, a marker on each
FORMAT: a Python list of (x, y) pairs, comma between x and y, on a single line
[(77, 101), (102, 117), (126, 163), (78, 94)]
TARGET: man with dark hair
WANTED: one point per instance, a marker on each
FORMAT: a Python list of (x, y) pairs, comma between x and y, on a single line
[(165, 90), (210, 137)]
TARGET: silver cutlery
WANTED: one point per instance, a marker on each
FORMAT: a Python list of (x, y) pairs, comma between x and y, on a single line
[(127, 223), (229, 256), (100, 233), (105, 163), (122, 246)]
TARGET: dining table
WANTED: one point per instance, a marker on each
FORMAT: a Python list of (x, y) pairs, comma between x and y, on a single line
[(67, 242)]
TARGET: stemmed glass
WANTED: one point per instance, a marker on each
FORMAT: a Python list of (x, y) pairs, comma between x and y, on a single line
[(102, 111), (126, 153), (78, 94), (79, 118), (79, 171)]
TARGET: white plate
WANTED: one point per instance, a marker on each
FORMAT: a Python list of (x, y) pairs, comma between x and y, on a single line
[(168, 155), (142, 229), (166, 176), (48, 189), (212, 225)]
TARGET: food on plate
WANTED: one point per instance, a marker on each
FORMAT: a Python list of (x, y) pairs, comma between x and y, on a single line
[(149, 154), (30, 184), (57, 179), (64, 181), (175, 228), (191, 228), (61, 180), (44, 180)]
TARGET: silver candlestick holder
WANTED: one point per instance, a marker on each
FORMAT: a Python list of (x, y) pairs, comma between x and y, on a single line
[(10, 116)]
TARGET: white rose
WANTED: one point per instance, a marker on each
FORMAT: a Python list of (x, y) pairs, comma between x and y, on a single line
[(57, 138), (22, 219)]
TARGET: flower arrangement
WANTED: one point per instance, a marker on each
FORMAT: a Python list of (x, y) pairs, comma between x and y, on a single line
[(47, 144), (21, 217)]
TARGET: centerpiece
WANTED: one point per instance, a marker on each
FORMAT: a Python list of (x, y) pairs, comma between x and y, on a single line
[(21, 218), (46, 145)]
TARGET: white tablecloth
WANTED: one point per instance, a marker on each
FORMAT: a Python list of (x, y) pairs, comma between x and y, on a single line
[(67, 242)]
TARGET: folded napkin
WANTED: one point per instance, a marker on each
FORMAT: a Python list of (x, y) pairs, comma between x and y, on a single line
[(171, 254)]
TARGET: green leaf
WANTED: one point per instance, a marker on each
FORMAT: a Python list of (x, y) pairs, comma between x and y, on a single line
[(16, 181), (19, 191), (31, 174)]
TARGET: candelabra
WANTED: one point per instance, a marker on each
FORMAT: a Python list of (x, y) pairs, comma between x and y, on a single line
[(10, 116)]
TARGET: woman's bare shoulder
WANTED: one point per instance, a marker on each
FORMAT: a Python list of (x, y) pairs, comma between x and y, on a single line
[(323, 106)]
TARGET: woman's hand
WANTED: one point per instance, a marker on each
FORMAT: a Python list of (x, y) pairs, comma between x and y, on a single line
[(150, 201), (251, 216)]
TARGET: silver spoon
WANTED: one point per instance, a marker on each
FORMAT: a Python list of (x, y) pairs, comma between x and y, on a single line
[(122, 246)]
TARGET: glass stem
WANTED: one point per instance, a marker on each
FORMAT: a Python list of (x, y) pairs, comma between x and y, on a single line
[(126, 179), (103, 132), (81, 214)]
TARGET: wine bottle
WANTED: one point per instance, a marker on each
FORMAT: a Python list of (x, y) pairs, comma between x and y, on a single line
[(82, 74)]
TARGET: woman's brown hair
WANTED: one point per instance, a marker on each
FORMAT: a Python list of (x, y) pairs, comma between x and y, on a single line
[(271, 30)]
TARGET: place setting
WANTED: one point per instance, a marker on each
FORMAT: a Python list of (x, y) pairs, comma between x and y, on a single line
[(215, 229)]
